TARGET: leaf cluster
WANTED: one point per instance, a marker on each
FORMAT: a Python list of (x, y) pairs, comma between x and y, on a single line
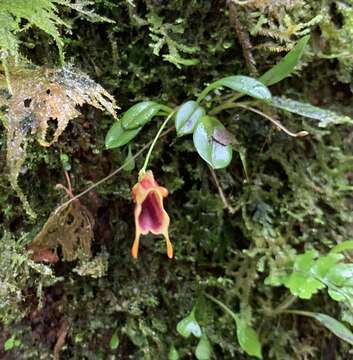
[(211, 139), (305, 274)]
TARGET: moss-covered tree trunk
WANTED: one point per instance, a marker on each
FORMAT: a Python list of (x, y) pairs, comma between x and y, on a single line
[(255, 244)]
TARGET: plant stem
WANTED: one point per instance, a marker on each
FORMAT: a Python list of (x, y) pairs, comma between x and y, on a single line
[(115, 172), (299, 312), (275, 122), (284, 305), (223, 306), (166, 108), (203, 94), (143, 170), (230, 104), (221, 193), (224, 106)]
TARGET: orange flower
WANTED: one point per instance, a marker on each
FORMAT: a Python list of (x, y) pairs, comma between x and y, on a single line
[(150, 215)]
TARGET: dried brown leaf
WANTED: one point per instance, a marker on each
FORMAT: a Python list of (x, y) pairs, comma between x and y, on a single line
[(39, 96), (71, 228)]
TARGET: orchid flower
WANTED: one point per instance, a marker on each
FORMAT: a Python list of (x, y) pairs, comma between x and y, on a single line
[(150, 215)]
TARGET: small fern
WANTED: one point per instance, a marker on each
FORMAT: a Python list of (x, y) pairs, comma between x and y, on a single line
[(168, 35), (279, 22), (42, 14)]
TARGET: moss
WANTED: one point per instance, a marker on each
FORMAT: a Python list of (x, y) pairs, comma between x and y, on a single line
[(297, 197)]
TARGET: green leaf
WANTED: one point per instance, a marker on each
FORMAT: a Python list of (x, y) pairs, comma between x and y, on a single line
[(139, 114), (301, 283), (114, 341), (302, 286), (203, 350), (117, 136), (343, 246), (335, 295), (173, 353), (325, 117), (335, 326), (341, 274), (310, 273), (242, 84), (248, 339), (189, 326), (11, 343), (187, 117), (325, 264), (207, 140), (287, 65), (304, 262)]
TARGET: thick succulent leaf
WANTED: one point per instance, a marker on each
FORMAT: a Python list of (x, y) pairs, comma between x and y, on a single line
[(335, 326), (139, 114), (218, 155), (189, 325), (248, 339), (203, 350), (117, 136), (114, 341), (242, 84), (187, 117), (173, 353), (324, 117), (287, 65), (129, 163)]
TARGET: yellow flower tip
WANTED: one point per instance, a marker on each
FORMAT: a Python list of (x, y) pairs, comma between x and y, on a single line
[(169, 250), (135, 249)]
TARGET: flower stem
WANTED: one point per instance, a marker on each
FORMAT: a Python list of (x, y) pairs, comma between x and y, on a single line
[(143, 170), (108, 177)]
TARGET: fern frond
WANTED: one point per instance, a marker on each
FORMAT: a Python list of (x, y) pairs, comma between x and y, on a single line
[(8, 27), (272, 47), (163, 34), (40, 13), (43, 14)]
